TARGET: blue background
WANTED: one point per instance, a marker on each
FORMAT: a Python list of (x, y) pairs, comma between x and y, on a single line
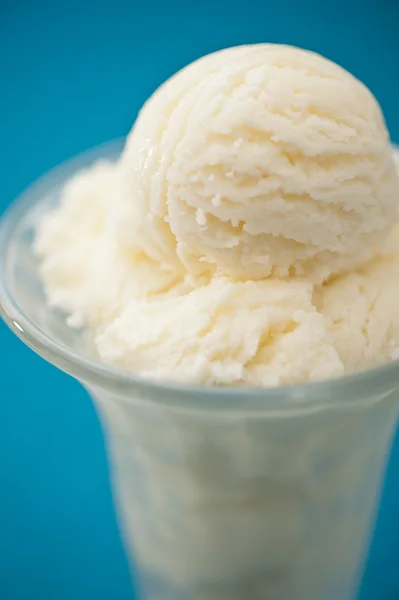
[(74, 74)]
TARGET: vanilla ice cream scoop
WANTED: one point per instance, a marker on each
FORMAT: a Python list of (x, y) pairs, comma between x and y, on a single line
[(362, 313), (225, 333), (255, 161)]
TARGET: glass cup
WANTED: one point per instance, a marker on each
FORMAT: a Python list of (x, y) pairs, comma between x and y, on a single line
[(223, 494)]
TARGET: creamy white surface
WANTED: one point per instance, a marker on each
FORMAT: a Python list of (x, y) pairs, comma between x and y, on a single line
[(148, 319), (131, 249), (259, 160)]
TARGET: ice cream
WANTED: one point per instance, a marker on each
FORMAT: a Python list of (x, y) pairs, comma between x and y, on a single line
[(246, 235), (361, 309), (259, 160), (226, 333), (86, 271)]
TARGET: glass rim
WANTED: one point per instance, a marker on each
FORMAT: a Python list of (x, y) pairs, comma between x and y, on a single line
[(332, 392)]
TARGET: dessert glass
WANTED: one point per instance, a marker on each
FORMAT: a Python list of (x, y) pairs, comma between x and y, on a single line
[(222, 494)]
